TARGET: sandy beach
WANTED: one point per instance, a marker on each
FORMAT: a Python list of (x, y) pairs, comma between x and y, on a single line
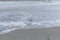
[(33, 34)]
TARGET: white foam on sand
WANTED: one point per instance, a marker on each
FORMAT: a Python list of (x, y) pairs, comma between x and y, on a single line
[(8, 30), (29, 25)]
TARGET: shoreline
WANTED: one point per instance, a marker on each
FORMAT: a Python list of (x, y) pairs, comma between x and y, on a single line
[(14, 29), (33, 34)]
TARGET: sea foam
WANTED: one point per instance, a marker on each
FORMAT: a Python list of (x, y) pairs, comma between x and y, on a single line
[(27, 15)]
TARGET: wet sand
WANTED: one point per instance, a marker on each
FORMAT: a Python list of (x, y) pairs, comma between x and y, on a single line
[(33, 34)]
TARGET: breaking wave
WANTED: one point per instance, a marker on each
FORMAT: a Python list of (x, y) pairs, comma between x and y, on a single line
[(28, 15)]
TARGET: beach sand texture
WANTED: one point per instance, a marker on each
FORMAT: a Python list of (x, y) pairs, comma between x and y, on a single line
[(33, 34)]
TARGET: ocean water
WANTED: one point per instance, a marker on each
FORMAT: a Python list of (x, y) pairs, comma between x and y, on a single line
[(28, 15)]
